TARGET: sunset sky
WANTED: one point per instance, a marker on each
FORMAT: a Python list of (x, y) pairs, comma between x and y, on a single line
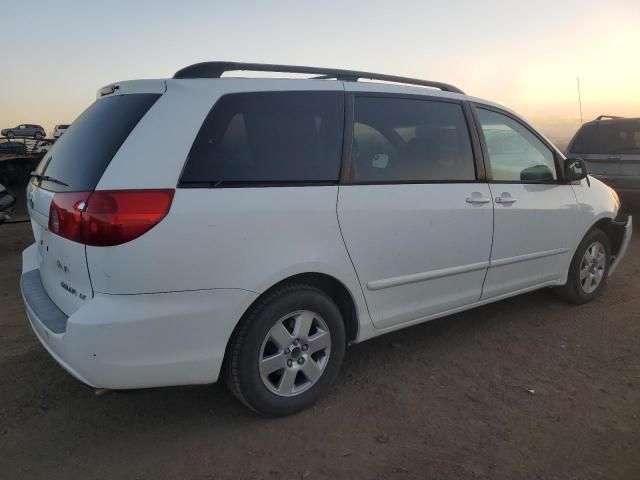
[(525, 55)]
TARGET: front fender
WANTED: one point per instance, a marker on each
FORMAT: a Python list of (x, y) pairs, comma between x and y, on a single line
[(595, 203)]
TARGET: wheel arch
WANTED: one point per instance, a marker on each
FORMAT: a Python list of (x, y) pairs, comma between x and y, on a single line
[(602, 222), (329, 284), (614, 230)]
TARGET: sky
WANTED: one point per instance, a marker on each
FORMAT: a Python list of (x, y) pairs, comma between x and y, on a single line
[(525, 55)]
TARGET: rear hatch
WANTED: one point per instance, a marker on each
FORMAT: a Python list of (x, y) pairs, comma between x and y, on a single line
[(611, 149), (66, 176)]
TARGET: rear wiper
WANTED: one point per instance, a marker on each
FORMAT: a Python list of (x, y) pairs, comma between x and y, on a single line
[(47, 178)]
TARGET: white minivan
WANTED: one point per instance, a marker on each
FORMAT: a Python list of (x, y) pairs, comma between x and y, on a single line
[(251, 228)]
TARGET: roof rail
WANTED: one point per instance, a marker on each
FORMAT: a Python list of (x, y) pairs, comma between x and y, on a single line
[(216, 69), (611, 117)]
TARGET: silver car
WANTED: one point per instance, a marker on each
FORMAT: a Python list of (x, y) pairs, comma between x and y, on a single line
[(611, 148), (24, 130)]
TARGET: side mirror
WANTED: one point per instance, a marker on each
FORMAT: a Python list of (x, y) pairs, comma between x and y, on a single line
[(575, 169), (537, 173)]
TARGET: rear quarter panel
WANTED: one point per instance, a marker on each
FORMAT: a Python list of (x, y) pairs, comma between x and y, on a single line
[(232, 238), (239, 238)]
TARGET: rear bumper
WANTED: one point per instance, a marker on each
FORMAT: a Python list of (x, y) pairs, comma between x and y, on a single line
[(136, 341), (627, 231)]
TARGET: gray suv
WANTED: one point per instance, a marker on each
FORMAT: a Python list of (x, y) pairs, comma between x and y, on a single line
[(24, 130), (611, 148)]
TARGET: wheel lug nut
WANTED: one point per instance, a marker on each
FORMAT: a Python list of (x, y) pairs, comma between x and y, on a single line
[(300, 361), (295, 342), (305, 347), (289, 363)]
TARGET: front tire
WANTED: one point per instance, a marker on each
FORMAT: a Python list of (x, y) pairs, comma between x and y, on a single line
[(38, 136), (10, 135), (287, 350), (589, 269)]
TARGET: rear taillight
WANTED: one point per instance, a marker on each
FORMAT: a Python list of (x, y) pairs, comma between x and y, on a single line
[(65, 214), (108, 217)]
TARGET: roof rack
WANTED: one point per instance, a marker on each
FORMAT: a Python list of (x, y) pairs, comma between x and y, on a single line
[(611, 117), (216, 69)]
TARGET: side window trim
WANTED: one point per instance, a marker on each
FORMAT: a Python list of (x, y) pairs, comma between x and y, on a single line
[(483, 169), (347, 172), (485, 151), (483, 145)]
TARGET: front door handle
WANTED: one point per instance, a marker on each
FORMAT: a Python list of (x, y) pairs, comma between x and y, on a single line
[(505, 198), (477, 198)]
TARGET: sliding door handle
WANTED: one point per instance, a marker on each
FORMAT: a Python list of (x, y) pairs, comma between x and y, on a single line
[(505, 198), (477, 198)]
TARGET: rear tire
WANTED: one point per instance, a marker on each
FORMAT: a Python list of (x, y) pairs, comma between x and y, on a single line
[(286, 351), (589, 269)]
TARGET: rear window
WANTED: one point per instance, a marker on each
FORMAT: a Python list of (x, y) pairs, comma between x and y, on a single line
[(268, 137), (80, 157), (615, 137)]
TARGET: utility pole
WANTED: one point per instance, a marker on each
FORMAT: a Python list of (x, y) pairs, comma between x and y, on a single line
[(579, 99)]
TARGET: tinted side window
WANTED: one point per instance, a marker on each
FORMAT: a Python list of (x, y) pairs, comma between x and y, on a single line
[(406, 140), (269, 137), (608, 137), (81, 156), (515, 154)]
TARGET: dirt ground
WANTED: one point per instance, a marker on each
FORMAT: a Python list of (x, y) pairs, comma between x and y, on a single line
[(526, 388)]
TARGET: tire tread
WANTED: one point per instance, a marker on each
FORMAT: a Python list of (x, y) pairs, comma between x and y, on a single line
[(232, 372), (570, 291)]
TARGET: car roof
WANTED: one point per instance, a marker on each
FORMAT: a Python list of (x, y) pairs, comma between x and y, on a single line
[(244, 84), (351, 78), (210, 73), (612, 120)]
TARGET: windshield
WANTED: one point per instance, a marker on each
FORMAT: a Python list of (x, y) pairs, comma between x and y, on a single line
[(80, 157), (615, 137)]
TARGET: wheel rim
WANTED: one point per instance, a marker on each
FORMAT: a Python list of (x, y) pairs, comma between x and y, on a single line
[(592, 267), (295, 353)]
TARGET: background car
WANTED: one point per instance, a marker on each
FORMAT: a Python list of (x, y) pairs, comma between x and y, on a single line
[(9, 147), (43, 146), (24, 130), (611, 148), (7, 203), (59, 130)]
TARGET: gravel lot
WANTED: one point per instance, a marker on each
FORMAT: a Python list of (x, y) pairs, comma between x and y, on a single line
[(526, 388)]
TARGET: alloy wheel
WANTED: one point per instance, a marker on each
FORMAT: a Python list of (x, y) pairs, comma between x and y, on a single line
[(295, 353), (592, 267)]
